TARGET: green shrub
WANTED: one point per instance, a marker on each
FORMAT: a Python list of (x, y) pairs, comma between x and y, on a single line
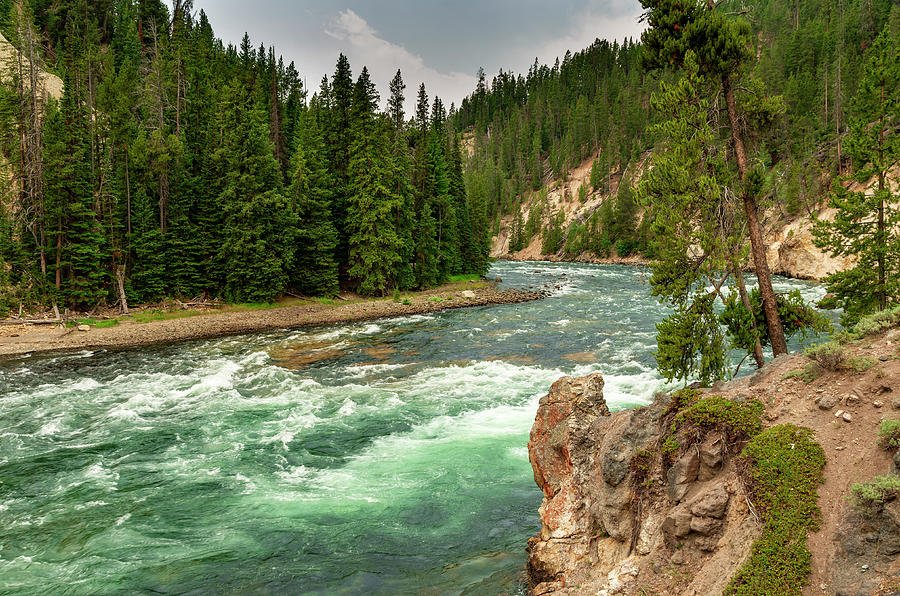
[(870, 496), (889, 434), (807, 374), (829, 355), (782, 468), (859, 364), (877, 322)]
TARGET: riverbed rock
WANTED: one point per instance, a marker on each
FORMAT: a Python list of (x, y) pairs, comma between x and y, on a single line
[(84, 327), (467, 294)]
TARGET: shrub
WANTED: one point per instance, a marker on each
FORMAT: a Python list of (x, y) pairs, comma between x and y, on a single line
[(782, 468), (889, 434), (739, 421), (877, 322), (870, 496), (829, 355)]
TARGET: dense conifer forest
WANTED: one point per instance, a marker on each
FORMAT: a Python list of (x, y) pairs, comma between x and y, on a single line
[(175, 165)]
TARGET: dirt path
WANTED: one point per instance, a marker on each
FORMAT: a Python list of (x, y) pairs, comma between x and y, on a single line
[(24, 339)]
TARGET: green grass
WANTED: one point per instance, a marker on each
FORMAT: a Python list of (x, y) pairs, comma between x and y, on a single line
[(859, 364), (739, 421), (160, 315), (95, 323), (782, 467), (249, 306), (325, 300), (454, 279), (807, 374)]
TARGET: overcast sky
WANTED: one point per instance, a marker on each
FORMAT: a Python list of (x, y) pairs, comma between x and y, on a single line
[(439, 42)]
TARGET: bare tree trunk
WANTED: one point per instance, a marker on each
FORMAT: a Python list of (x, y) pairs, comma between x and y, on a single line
[(770, 305), (120, 278)]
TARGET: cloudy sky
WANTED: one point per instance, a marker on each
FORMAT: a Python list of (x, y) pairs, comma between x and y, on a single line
[(439, 42)]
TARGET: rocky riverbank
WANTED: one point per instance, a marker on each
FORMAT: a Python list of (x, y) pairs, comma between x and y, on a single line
[(633, 506), (24, 339)]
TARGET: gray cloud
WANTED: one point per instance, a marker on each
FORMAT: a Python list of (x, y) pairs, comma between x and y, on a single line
[(439, 42)]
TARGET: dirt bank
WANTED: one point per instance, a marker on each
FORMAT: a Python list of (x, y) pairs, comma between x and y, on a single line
[(17, 340)]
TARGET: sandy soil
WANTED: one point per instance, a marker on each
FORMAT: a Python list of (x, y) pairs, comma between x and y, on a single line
[(22, 339)]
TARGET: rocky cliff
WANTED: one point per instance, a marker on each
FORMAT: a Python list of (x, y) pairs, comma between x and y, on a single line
[(625, 512), (790, 252)]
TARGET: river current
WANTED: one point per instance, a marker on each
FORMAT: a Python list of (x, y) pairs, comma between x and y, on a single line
[(386, 457)]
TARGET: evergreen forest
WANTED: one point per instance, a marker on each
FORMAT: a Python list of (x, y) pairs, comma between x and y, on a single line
[(173, 165)]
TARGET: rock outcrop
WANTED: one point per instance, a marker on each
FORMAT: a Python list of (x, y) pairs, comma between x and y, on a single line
[(606, 522)]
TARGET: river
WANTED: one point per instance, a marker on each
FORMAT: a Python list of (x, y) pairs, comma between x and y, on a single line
[(375, 458)]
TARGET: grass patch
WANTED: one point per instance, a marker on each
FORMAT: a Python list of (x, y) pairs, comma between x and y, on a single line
[(739, 421), (95, 323), (859, 364), (324, 300), (781, 467), (149, 316), (435, 299), (692, 418), (250, 306), (455, 279), (807, 374), (889, 434), (870, 496)]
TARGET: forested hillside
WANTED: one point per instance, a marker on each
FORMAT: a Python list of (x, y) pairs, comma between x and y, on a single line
[(531, 130), (175, 165)]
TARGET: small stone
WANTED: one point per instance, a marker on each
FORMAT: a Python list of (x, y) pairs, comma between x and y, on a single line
[(865, 567), (826, 402), (84, 327), (896, 403), (877, 403), (839, 413), (884, 358), (677, 558), (839, 448), (468, 294), (847, 417), (852, 400)]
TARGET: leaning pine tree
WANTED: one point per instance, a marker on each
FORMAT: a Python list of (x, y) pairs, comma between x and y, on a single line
[(721, 46), (866, 223)]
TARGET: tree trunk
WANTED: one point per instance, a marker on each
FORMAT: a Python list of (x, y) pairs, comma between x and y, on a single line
[(745, 299), (770, 305), (120, 279)]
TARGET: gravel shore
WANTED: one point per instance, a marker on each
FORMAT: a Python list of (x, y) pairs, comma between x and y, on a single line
[(27, 339)]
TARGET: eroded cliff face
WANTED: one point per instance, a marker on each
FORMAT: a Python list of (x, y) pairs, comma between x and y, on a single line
[(607, 527)]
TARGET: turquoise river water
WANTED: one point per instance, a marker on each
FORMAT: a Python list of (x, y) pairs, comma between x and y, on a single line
[(386, 457)]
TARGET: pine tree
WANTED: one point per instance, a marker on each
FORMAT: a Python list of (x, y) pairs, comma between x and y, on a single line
[(375, 246), (258, 242), (720, 46), (865, 226), (315, 271), (77, 241)]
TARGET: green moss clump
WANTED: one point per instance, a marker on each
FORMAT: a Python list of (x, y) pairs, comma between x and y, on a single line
[(739, 421), (782, 467), (870, 496), (889, 434)]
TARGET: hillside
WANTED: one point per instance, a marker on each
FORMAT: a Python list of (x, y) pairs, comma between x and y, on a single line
[(625, 514), (791, 251)]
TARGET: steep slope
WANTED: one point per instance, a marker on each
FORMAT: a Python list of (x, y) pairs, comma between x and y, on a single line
[(791, 251), (625, 514)]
